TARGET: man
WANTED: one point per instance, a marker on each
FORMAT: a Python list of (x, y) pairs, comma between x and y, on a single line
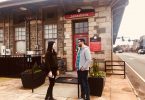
[(82, 64)]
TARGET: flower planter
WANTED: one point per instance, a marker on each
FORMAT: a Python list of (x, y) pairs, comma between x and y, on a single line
[(28, 82), (96, 85)]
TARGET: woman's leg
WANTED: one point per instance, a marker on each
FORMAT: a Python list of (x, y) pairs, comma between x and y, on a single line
[(50, 88)]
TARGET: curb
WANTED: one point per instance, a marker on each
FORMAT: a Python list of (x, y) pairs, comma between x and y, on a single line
[(133, 89)]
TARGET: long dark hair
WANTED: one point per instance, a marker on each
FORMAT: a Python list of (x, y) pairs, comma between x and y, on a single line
[(50, 47)]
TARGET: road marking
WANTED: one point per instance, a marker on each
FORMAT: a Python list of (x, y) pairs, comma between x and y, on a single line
[(134, 71), (131, 58)]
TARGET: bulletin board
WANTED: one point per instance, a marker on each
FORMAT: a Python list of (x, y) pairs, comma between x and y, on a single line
[(95, 44)]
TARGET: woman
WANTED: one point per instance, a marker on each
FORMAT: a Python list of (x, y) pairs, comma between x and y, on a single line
[(51, 63)]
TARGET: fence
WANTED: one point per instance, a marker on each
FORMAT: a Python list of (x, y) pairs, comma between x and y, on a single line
[(113, 66), (14, 65)]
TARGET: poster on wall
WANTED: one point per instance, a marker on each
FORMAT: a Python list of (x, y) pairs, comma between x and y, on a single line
[(95, 44)]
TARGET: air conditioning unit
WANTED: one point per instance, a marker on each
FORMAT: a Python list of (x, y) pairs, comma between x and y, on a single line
[(7, 51), (30, 52)]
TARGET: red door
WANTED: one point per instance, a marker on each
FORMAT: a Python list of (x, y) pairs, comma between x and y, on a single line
[(75, 46), (80, 29)]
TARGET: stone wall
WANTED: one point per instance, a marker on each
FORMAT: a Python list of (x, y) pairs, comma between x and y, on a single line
[(68, 44), (100, 24), (60, 35)]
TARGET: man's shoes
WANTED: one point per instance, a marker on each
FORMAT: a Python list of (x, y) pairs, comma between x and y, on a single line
[(83, 96), (52, 98), (81, 99), (49, 98)]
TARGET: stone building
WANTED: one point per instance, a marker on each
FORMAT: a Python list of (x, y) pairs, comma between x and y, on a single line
[(27, 25)]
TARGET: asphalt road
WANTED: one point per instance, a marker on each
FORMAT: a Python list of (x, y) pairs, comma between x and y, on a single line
[(136, 61)]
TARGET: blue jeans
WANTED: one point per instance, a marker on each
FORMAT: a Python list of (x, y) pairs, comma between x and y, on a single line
[(83, 81)]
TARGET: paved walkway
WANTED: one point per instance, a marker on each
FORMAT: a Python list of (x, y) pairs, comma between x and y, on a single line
[(116, 88)]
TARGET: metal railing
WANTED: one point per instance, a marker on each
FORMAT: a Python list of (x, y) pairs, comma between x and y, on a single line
[(115, 65)]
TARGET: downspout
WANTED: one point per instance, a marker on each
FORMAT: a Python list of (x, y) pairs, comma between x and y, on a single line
[(36, 30), (9, 32), (26, 33), (29, 34), (4, 31), (111, 35), (43, 46)]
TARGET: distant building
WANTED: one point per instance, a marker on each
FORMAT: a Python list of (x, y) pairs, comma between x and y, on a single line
[(142, 42), (135, 45)]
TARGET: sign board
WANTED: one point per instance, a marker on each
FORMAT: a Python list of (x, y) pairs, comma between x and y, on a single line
[(95, 44), (78, 13), (87, 14)]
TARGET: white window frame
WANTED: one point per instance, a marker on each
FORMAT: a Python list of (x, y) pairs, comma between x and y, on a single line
[(20, 37), (50, 34), (1, 35)]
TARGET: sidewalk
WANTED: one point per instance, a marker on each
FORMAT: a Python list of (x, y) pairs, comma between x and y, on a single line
[(116, 88)]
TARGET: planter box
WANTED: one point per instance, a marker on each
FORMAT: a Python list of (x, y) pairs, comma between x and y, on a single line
[(38, 79), (96, 85)]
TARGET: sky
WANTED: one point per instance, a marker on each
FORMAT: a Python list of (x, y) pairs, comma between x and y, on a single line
[(133, 21)]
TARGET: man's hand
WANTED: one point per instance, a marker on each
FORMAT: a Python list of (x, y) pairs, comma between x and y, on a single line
[(82, 69), (58, 72), (50, 74)]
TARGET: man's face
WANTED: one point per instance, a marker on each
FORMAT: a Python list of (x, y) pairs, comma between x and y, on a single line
[(80, 43)]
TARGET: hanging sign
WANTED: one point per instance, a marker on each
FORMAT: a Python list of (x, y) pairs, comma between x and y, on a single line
[(80, 13), (95, 44)]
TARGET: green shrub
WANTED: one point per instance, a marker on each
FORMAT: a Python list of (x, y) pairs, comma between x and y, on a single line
[(94, 70), (35, 69)]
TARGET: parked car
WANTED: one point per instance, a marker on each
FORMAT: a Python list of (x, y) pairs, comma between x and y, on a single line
[(141, 51), (119, 51)]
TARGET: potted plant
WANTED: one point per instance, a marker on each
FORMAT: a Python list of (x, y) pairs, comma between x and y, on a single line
[(96, 79), (32, 78)]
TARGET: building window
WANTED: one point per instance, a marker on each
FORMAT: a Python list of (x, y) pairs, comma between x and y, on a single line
[(20, 34), (81, 27), (50, 34), (20, 38), (1, 36)]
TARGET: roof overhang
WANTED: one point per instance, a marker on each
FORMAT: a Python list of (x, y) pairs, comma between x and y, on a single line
[(118, 7)]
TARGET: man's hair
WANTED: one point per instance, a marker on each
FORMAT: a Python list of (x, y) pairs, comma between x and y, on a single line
[(82, 40)]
